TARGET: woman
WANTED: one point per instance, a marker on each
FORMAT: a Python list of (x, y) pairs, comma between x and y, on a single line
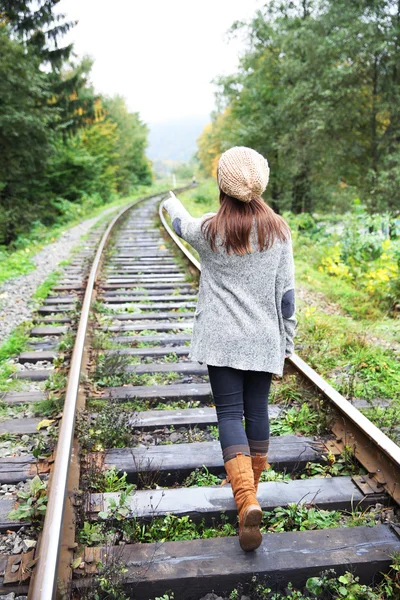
[(244, 320)]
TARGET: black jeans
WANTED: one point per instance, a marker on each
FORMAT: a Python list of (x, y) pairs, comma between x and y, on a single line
[(237, 393)]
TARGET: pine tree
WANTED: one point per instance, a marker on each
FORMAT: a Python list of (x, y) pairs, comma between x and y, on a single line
[(35, 23), (25, 138)]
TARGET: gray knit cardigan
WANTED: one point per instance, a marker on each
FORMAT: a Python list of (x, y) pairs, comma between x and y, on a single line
[(245, 310)]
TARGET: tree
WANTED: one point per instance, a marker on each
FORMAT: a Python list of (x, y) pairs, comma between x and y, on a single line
[(317, 92), (35, 24), (74, 97), (215, 138), (130, 144), (25, 138), (59, 144)]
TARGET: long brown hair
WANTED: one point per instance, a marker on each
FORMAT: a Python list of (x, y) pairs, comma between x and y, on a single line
[(234, 222)]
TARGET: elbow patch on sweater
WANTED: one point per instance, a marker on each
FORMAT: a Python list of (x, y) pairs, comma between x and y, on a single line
[(288, 304), (176, 224)]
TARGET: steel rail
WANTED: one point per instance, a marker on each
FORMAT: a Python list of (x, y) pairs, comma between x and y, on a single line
[(43, 584), (349, 413)]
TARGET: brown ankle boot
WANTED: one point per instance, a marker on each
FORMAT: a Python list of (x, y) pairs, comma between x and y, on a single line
[(240, 474), (259, 463)]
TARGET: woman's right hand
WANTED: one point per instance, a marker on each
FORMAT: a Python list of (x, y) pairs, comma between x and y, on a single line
[(171, 194)]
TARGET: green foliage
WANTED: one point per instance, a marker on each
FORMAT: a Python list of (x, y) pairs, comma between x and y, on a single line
[(172, 528), (201, 477), (130, 145), (57, 382), (259, 591), (61, 144), (296, 419), (272, 475), (177, 405), (15, 264), (356, 250), (299, 517), (161, 529), (66, 344), (111, 369), (7, 370), (108, 583), (43, 290), (108, 378), (36, 24), (111, 585), (31, 504), (345, 586), (24, 138), (113, 482), (332, 466), (117, 510), (16, 342), (327, 586), (110, 427), (172, 357), (286, 391), (387, 419), (91, 534), (390, 585), (74, 172), (363, 369), (317, 91)]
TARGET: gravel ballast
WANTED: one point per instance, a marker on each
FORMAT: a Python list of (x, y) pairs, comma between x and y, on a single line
[(16, 294)]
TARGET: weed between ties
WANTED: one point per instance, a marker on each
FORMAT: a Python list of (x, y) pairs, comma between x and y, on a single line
[(117, 524), (111, 371), (327, 586)]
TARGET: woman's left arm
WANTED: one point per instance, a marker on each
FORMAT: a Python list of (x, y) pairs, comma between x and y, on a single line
[(288, 307)]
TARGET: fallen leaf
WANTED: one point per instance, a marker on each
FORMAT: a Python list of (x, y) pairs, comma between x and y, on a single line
[(75, 563), (44, 423)]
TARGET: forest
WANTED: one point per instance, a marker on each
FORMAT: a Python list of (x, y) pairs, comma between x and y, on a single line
[(63, 146), (317, 92)]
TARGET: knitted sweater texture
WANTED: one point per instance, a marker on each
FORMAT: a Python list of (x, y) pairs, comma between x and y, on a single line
[(245, 314)]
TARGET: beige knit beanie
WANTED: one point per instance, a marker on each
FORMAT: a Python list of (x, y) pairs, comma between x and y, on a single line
[(242, 173)]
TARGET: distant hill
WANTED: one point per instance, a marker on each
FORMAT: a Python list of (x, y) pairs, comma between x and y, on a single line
[(175, 139)]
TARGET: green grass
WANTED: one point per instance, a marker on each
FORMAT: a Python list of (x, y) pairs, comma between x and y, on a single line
[(355, 302), (201, 477), (15, 264), (338, 348), (13, 346), (299, 420), (44, 288), (16, 342)]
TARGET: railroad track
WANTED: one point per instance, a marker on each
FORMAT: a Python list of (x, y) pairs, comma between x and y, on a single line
[(143, 409)]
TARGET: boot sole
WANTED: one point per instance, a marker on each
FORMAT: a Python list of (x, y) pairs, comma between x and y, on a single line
[(250, 537)]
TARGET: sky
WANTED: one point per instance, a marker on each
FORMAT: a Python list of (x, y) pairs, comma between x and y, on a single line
[(161, 55)]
